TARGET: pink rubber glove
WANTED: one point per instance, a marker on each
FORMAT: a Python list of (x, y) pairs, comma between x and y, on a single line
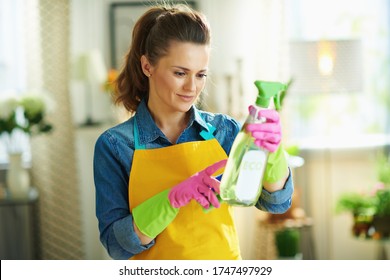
[(201, 186), (269, 134)]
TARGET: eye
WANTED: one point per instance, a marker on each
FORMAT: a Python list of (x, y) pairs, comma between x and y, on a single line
[(180, 73), (202, 75)]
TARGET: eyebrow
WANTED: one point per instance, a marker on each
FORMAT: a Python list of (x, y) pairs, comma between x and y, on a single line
[(186, 69)]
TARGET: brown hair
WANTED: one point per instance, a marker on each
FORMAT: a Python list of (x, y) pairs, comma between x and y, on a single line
[(152, 35)]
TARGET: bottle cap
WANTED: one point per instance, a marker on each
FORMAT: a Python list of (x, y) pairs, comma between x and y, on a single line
[(268, 90)]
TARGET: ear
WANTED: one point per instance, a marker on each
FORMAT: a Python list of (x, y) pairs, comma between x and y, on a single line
[(146, 66)]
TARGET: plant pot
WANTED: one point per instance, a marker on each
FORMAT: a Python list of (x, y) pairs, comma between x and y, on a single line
[(287, 242), (382, 225), (361, 225)]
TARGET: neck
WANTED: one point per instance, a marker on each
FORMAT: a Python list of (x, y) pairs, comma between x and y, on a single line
[(172, 124)]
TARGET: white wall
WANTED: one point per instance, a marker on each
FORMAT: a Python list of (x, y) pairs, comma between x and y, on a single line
[(85, 142), (89, 29)]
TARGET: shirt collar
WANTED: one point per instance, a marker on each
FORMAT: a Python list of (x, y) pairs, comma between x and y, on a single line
[(196, 117), (148, 130)]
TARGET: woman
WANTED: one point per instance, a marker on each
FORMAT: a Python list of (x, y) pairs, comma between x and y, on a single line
[(156, 196)]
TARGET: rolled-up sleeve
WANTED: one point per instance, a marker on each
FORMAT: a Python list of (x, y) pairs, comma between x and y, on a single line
[(112, 209), (277, 202), (125, 237)]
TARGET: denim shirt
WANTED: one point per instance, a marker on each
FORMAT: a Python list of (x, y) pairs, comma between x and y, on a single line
[(112, 162)]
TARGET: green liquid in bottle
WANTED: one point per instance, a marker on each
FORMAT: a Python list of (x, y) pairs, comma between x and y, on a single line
[(241, 184)]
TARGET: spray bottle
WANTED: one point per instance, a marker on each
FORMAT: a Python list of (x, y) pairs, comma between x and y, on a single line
[(241, 183)]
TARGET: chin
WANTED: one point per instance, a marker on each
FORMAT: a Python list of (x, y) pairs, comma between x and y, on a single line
[(184, 109)]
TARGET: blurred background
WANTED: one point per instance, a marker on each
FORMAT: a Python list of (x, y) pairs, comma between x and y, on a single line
[(335, 55)]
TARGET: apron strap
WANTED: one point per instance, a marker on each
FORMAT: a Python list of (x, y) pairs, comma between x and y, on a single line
[(137, 145), (206, 134)]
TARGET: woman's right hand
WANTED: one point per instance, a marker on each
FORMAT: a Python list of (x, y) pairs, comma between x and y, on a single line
[(201, 187)]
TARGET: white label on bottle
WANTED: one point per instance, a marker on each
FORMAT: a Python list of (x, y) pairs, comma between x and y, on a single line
[(251, 173)]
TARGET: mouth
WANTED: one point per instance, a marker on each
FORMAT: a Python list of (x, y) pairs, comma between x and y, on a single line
[(186, 97)]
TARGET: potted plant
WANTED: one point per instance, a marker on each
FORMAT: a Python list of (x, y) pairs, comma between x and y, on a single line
[(26, 113), (381, 221), (20, 118), (371, 211), (362, 206)]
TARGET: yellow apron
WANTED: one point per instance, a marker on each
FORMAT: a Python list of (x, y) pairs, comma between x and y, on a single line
[(193, 234)]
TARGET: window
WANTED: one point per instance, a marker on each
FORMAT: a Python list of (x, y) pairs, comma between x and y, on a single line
[(12, 51), (14, 27), (321, 117)]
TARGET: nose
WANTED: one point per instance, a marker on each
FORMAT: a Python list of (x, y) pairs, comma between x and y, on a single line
[(190, 83)]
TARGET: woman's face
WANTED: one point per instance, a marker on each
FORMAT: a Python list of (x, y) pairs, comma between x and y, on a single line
[(178, 78)]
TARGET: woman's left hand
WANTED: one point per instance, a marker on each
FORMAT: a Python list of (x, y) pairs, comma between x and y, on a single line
[(268, 135)]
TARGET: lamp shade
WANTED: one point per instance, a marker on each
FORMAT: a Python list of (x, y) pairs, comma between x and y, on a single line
[(90, 67), (327, 66)]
